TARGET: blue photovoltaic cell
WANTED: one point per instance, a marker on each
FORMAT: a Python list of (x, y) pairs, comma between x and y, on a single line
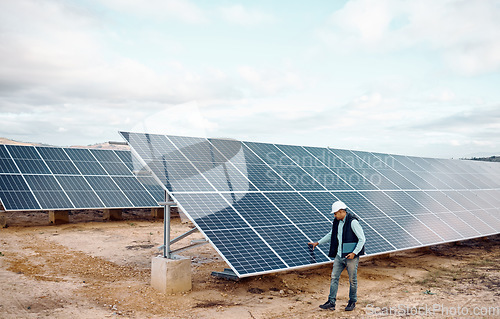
[(418, 229), (154, 188), (385, 204), (297, 178), (64, 178), (393, 232), (290, 245), (79, 191), (48, 192), (85, 161), (316, 230), (57, 160), (259, 204), (27, 159), (322, 201), (15, 193), (7, 166), (245, 251), (286, 204), (377, 244), (210, 211), (108, 191), (259, 211), (135, 191), (358, 204), (263, 177), (196, 149), (111, 162)]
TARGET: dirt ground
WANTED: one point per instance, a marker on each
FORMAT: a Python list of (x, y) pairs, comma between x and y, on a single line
[(94, 269)]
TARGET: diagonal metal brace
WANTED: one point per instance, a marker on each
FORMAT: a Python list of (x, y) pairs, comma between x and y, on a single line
[(189, 232), (194, 243)]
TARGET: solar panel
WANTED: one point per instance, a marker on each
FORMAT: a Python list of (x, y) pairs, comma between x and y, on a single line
[(49, 178), (259, 204)]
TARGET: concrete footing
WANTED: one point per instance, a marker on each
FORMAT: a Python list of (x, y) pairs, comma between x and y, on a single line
[(112, 214), (171, 275), (58, 217)]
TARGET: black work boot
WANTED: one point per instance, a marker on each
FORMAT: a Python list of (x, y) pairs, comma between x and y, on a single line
[(328, 305), (350, 306)]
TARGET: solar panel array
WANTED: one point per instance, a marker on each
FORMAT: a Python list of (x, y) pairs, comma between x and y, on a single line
[(52, 178), (259, 204)]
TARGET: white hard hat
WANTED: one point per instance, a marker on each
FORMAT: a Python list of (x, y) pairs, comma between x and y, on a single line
[(338, 205)]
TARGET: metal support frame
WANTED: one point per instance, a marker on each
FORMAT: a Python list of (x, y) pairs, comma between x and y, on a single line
[(166, 224), (194, 243), (167, 252), (189, 232)]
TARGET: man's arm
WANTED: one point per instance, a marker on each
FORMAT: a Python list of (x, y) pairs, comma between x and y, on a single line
[(323, 240), (356, 228)]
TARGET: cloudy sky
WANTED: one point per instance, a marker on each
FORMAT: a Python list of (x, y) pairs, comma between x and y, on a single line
[(406, 77)]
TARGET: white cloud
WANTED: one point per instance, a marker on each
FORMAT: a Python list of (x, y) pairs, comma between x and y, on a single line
[(270, 81), (464, 33), (182, 119), (161, 9), (239, 14), (367, 20)]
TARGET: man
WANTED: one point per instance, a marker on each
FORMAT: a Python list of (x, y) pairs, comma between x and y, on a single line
[(347, 242)]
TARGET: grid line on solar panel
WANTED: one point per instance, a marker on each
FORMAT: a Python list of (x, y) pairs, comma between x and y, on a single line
[(319, 175), (349, 158), (27, 159), (461, 226), (287, 204), (47, 184), (495, 219), (324, 177), (85, 161), (349, 174), (478, 224), (210, 211), (182, 170), (419, 230), (294, 176), (344, 177), (367, 165), (57, 161), (220, 171), (290, 244), (325, 156), (393, 233), (317, 170), (245, 252), (375, 242), (16, 194), (134, 191), (197, 149), (257, 210), (111, 163), (240, 207)]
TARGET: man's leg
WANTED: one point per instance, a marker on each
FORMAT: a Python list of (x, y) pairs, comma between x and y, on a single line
[(338, 267), (352, 270)]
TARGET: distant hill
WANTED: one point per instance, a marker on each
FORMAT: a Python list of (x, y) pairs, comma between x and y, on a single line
[(4, 140), (104, 145), (485, 159)]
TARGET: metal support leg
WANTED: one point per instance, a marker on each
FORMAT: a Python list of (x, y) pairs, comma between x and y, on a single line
[(166, 225)]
